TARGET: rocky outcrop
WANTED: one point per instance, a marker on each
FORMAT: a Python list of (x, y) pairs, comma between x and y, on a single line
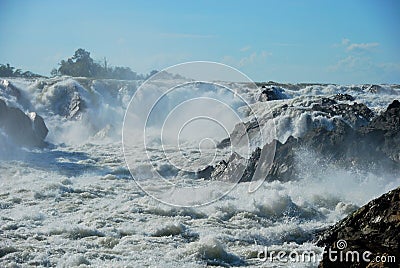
[(62, 98), (8, 89), (372, 88), (231, 169), (75, 107), (24, 130), (271, 93), (356, 115), (343, 97), (358, 140), (384, 130), (374, 227)]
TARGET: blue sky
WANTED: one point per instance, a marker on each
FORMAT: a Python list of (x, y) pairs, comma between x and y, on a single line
[(287, 41)]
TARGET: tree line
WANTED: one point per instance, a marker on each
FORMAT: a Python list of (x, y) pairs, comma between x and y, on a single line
[(81, 64), (6, 70)]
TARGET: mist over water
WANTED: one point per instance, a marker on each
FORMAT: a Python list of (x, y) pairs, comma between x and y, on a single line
[(78, 195)]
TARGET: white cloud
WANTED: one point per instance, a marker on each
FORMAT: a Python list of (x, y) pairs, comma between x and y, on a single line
[(250, 59), (350, 63), (357, 57), (361, 46), (246, 48), (345, 41), (356, 47)]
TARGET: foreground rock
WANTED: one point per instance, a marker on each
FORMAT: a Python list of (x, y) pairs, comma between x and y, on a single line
[(374, 227), (23, 130)]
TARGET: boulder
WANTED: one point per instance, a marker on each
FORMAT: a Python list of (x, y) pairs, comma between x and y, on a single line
[(374, 227), (24, 130), (271, 93), (39, 127)]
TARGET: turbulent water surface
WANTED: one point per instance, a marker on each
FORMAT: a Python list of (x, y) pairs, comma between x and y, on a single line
[(75, 202)]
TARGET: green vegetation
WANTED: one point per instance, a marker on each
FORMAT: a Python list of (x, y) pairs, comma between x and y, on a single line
[(6, 70), (82, 65)]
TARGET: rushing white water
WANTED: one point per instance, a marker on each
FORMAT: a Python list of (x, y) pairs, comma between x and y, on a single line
[(75, 203)]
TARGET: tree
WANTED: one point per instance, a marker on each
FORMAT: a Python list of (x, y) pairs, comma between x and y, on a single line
[(81, 64), (54, 72), (6, 70)]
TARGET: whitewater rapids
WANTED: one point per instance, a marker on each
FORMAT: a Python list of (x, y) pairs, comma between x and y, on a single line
[(76, 204)]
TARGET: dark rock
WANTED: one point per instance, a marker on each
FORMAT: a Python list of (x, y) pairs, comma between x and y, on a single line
[(373, 148), (205, 173), (394, 105), (343, 97), (374, 227), (10, 90), (384, 131), (251, 166), (357, 114), (326, 102), (283, 165), (372, 88), (218, 169), (7, 250), (236, 165), (75, 107), (63, 99), (224, 143), (272, 93), (39, 127), (22, 129)]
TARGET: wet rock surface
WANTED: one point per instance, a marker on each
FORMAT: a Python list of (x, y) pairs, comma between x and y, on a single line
[(8, 89), (24, 130), (356, 114), (271, 93), (358, 140), (374, 227)]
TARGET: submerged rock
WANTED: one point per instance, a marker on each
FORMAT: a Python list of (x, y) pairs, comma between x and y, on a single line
[(374, 227), (24, 130)]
